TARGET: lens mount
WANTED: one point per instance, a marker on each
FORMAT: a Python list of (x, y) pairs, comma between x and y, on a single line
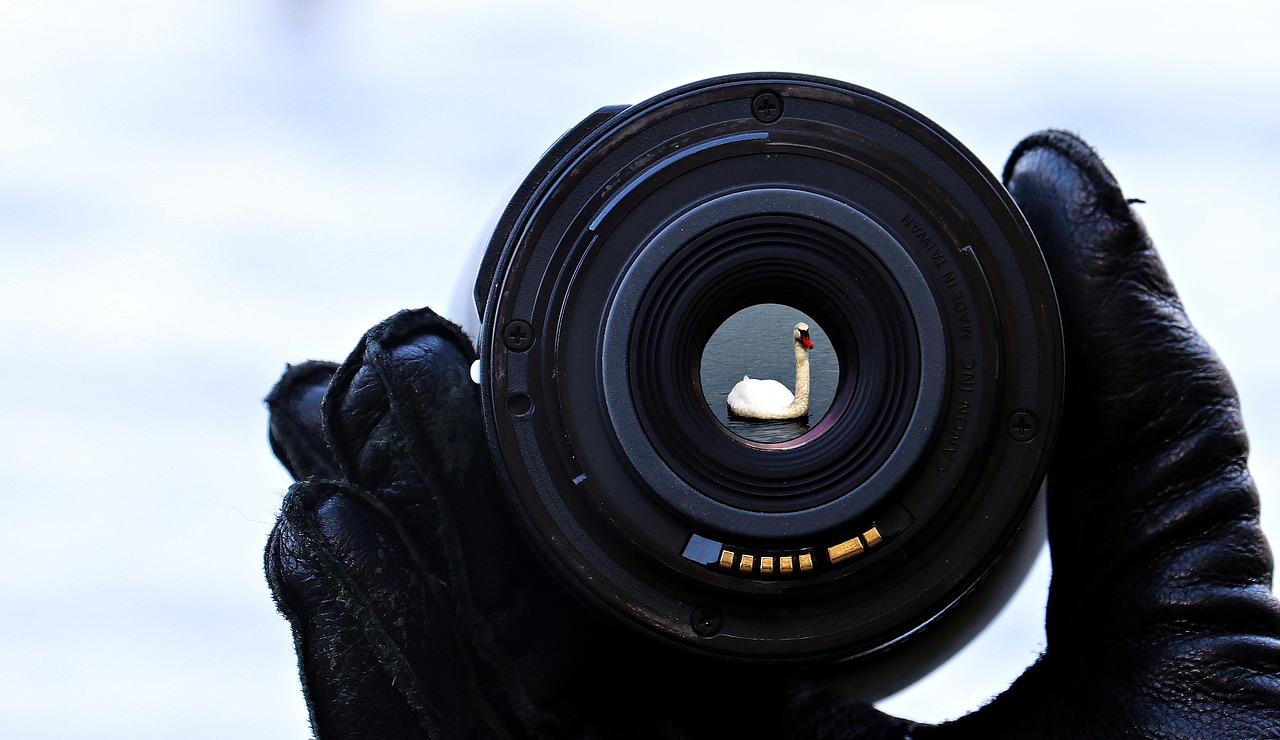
[(638, 235), (785, 246)]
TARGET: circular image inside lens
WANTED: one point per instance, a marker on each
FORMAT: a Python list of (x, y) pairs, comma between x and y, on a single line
[(769, 373)]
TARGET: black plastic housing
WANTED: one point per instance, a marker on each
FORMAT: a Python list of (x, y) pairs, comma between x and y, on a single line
[(636, 236)]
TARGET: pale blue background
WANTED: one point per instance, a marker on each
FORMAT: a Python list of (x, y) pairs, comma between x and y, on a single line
[(193, 194)]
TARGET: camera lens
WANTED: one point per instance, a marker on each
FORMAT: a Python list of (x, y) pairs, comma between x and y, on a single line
[(770, 367)]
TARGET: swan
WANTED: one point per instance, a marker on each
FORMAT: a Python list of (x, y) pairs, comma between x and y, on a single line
[(753, 398)]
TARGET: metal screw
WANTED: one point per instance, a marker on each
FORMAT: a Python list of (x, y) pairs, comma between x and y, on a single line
[(1023, 426), (519, 404), (706, 620), (767, 107), (518, 335)]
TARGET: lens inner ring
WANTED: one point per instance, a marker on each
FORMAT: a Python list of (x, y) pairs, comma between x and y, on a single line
[(855, 455)]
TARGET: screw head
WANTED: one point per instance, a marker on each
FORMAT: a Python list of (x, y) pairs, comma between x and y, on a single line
[(706, 620), (767, 107), (517, 335), (1023, 426)]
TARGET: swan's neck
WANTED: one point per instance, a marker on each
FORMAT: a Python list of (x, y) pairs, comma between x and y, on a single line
[(800, 404)]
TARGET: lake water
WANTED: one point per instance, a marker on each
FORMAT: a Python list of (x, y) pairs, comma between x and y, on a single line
[(757, 341)]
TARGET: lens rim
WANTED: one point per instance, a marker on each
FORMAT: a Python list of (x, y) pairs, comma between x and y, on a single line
[(616, 542)]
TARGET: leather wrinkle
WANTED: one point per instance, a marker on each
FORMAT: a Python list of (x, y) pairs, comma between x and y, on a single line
[(1186, 566), (419, 448), (379, 369), (299, 512)]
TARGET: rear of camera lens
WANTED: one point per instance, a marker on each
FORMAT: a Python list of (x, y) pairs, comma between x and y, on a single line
[(770, 334)]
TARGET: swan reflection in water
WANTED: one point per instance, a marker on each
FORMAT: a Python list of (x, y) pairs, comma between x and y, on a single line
[(760, 407), (767, 431)]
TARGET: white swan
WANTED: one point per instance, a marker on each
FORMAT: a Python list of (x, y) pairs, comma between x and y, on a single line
[(753, 398)]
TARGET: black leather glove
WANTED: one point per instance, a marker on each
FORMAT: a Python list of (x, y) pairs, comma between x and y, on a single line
[(418, 612)]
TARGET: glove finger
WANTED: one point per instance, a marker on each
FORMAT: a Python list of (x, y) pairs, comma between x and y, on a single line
[(403, 418), (1152, 487), (1160, 619), (379, 651), (294, 427)]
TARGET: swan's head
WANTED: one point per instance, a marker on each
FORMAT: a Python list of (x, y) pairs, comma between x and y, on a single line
[(801, 335)]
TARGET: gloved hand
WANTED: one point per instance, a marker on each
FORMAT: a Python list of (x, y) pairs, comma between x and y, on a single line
[(418, 611)]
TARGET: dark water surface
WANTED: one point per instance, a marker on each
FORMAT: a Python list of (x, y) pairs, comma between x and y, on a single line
[(757, 341)]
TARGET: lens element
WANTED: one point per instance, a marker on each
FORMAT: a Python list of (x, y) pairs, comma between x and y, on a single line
[(760, 379)]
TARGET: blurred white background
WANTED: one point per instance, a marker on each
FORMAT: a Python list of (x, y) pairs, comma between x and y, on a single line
[(193, 194)]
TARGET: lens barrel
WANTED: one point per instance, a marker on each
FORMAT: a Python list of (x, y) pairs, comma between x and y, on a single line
[(638, 235)]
